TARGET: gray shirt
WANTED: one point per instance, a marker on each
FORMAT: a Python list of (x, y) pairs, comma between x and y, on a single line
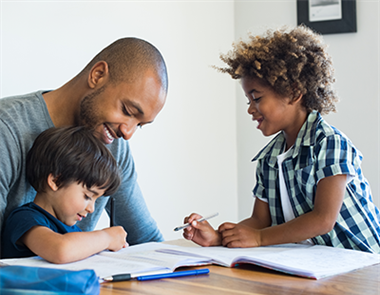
[(22, 119)]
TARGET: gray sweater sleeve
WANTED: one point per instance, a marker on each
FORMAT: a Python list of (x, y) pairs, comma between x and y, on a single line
[(10, 163), (22, 118)]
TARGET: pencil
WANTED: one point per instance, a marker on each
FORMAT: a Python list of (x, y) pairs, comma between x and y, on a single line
[(199, 220)]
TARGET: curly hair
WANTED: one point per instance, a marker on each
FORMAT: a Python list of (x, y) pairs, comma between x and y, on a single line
[(292, 62)]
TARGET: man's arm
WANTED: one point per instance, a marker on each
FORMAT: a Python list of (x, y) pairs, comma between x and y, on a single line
[(10, 164)]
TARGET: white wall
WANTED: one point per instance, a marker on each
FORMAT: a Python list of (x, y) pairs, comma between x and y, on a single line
[(186, 160), (356, 62), (196, 156)]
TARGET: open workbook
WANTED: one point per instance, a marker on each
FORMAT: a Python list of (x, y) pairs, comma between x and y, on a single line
[(301, 260)]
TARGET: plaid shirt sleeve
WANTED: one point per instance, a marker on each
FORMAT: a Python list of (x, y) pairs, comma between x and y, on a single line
[(334, 156)]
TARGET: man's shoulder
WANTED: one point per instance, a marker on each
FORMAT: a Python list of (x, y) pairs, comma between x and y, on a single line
[(17, 100), (24, 116), (16, 107)]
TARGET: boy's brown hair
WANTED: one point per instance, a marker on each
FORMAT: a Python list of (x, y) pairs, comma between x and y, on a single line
[(71, 154)]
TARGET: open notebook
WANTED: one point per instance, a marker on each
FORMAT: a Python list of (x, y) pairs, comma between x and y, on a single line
[(301, 260)]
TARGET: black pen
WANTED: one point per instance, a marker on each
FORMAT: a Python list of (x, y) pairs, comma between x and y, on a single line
[(129, 276), (112, 212)]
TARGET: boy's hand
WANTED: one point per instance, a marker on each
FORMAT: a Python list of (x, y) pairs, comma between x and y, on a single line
[(239, 235), (201, 232), (117, 238)]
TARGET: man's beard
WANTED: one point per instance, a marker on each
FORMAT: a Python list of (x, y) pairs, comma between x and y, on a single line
[(88, 112)]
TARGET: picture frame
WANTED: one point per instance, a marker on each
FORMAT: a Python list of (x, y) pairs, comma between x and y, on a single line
[(328, 16)]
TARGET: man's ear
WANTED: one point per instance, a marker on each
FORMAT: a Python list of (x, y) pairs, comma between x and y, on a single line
[(98, 75), (51, 182)]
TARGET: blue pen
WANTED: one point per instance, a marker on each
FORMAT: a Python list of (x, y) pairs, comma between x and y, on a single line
[(174, 274), (154, 275)]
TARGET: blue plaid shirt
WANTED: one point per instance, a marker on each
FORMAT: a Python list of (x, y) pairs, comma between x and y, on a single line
[(320, 151)]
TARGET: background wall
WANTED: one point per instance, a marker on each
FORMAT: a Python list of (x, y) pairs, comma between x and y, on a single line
[(196, 156), (186, 160)]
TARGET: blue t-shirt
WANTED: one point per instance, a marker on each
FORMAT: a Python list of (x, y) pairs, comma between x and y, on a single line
[(22, 220)]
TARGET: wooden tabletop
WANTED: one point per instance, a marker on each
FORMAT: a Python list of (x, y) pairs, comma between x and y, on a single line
[(249, 279)]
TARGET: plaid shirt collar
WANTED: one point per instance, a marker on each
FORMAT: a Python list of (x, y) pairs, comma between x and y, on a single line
[(305, 138)]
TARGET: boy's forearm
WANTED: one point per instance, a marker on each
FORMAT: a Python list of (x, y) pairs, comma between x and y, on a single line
[(80, 245), (302, 228), (254, 223), (65, 248)]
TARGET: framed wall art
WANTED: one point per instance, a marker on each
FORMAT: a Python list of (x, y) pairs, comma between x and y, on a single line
[(328, 16)]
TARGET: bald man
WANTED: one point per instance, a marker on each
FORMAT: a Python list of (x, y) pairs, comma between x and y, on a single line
[(124, 87)]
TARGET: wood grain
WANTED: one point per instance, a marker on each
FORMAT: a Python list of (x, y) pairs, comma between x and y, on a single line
[(249, 279)]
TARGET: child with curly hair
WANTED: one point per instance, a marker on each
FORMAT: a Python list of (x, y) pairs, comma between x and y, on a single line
[(309, 184), (70, 169)]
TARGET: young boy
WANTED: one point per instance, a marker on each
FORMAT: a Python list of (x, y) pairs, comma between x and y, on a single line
[(310, 187), (70, 169)]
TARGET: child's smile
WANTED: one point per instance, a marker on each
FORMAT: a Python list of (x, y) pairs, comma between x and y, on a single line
[(80, 217)]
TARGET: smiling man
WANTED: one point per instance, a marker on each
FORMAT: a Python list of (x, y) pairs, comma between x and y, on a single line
[(124, 87)]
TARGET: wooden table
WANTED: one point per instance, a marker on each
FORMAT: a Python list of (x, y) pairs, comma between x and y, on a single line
[(251, 279)]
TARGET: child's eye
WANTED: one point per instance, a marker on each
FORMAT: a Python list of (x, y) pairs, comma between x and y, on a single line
[(256, 99), (87, 198)]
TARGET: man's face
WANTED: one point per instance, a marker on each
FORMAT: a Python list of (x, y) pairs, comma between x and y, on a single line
[(116, 110)]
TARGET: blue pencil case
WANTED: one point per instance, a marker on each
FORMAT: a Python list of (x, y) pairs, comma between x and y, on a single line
[(37, 280)]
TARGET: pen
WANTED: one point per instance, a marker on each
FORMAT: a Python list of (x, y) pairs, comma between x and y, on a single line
[(130, 276), (112, 212), (155, 275), (174, 274), (199, 220)]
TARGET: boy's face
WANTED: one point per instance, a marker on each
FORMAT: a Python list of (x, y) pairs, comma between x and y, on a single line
[(272, 111), (73, 202), (116, 110)]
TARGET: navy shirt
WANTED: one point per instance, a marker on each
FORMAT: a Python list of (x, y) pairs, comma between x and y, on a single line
[(22, 220)]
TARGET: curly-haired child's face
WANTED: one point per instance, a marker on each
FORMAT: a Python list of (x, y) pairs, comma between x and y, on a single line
[(272, 111)]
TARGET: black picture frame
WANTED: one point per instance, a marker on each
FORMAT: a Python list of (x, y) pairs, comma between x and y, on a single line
[(347, 24)]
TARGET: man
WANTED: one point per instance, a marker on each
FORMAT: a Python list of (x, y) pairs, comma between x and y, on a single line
[(122, 88)]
